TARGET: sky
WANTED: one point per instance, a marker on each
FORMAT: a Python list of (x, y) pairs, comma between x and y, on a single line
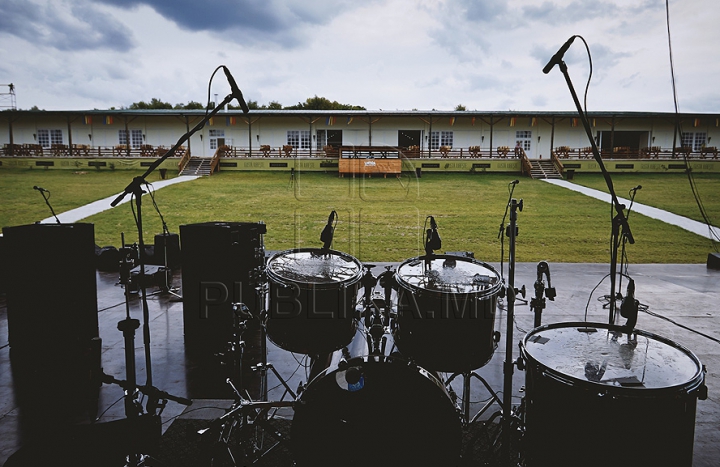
[(486, 55)]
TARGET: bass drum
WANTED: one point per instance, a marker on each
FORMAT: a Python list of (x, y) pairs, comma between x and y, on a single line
[(313, 294), (446, 312), (375, 411), (597, 396)]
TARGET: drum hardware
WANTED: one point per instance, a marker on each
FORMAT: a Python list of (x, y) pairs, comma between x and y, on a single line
[(250, 420), (537, 303), (465, 402)]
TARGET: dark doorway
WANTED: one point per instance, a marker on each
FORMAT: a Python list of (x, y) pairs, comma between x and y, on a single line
[(407, 138), (329, 138), (635, 140)]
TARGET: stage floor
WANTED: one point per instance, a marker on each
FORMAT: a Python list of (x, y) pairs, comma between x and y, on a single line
[(687, 294)]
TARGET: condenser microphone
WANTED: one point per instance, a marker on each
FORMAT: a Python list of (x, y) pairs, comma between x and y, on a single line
[(326, 236), (235, 90), (637, 188), (39, 188), (557, 58), (515, 182)]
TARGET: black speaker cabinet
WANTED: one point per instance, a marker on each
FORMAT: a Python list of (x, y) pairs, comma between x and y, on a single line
[(167, 244), (52, 306), (219, 263), (52, 290)]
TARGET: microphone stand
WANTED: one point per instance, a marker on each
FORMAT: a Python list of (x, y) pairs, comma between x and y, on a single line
[(619, 223), (509, 364), (135, 188), (46, 198)]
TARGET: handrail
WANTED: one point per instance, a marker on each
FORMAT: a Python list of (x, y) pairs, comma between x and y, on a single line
[(183, 162), (526, 165), (558, 165)]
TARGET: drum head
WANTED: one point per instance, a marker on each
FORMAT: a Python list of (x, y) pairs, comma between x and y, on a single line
[(314, 266), (449, 274), (605, 355), (387, 413)]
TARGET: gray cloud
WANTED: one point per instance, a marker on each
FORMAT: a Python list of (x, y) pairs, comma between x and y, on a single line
[(551, 13), (63, 26), (247, 21)]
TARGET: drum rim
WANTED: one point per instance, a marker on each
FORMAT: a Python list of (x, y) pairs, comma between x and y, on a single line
[(492, 291), (331, 285), (691, 385)]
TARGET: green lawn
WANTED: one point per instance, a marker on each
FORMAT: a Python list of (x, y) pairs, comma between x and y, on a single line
[(379, 219), (670, 192)]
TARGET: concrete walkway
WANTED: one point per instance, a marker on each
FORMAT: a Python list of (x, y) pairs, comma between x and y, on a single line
[(683, 222), (75, 215)]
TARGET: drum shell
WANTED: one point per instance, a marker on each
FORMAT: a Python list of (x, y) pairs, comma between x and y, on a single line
[(312, 318), (573, 422), (450, 332), (401, 416)]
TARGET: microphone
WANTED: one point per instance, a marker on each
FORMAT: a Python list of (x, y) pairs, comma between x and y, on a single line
[(432, 240), (630, 306), (326, 236), (235, 90), (39, 188), (636, 188), (515, 182), (557, 58)]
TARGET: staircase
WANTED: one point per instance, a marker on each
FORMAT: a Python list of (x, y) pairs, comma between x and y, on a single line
[(198, 166), (544, 169)]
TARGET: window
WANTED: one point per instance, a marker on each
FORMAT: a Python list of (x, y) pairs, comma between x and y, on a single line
[(46, 138), (136, 139), (299, 139), (696, 141), (523, 138), (328, 138), (441, 138), (217, 139)]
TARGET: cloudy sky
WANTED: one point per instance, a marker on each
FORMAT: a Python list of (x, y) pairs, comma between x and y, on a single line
[(381, 54)]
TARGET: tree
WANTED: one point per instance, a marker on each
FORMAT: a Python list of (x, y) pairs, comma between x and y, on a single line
[(322, 103), (154, 103), (192, 105), (460, 107)]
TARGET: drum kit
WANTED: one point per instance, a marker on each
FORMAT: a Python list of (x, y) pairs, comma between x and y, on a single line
[(380, 345)]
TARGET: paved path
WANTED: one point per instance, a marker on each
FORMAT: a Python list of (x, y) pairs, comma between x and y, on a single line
[(75, 215), (683, 222)]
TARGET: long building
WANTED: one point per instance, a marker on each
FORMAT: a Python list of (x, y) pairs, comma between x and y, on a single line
[(315, 140)]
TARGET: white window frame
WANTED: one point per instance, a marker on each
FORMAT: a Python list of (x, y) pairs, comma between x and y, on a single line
[(441, 138), (694, 140), (523, 138), (47, 137), (299, 139), (136, 139), (214, 135)]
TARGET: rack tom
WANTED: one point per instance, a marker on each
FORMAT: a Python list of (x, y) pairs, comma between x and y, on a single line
[(446, 312), (313, 294)]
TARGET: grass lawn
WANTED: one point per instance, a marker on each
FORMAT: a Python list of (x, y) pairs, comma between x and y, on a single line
[(379, 219), (670, 192)]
